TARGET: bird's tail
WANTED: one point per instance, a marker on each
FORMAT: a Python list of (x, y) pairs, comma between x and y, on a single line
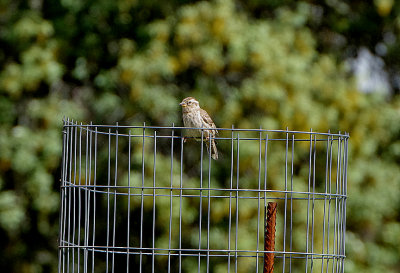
[(214, 151)]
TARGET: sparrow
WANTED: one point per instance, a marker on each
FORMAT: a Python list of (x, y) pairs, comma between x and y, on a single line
[(194, 116)]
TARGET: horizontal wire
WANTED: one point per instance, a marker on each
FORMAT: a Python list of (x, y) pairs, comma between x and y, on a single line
[(198, 139), (88, 187), (196, 251), (70, 124)]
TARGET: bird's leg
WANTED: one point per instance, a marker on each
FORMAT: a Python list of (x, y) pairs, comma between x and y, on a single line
[(207, 136)]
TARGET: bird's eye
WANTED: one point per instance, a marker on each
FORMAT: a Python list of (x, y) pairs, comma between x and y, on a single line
[(189, 102)]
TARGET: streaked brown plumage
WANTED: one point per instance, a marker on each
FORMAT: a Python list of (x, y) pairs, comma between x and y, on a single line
[(194, 116)]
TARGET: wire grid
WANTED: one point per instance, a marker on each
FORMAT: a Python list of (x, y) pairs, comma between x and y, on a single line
[(141, 199)]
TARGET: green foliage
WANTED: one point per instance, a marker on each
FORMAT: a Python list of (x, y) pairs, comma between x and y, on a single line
[(261, 63)]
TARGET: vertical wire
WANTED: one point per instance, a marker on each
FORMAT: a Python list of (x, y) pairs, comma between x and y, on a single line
[(201, 197), (80, 195), (285, 209), (170, 199), (94, 195), (335, 253), (237, 203), (89, 191), (339, 200), (325, 197), (86, 202), (345, 193), (74, 200), (338, 204), (340, 223), (330, 201), (340, 207), (115, 196), (66, 196), (258, 198), (209, 203), (180, 208), (313, 203), (340, 226), (154, 204), (108, 196), (69, 196), (129, 203), (141, 204), (61, 240), (340, 210), (230, 204), (60, 219), (265, 182), (291, 207), (308, 200)]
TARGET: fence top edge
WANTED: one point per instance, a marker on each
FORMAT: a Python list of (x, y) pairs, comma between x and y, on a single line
[(70, 123)]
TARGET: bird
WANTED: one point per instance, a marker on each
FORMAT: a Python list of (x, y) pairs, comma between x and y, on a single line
[(194, 116)]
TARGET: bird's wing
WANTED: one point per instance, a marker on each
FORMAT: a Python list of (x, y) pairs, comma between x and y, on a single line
[(207, 119)]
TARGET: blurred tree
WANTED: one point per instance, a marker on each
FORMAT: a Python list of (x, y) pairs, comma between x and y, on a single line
[(343, 28), (251, 64)]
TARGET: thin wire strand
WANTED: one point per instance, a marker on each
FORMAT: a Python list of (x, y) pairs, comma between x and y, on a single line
[(325, 199), (170, 200), (335, 233), (142, 203), (115, 196), (129, 203), (308, 201), (201, 198), (291, 207), (313, 203), (62, 197), (218, 129), (74, 199), (209, 204), (237, 202), (330, 201), (265, 183), (94, 195), (80, 195), (154, 204), (180, 207), (69, 194), (345, 194), (86, 232), (285, 208), (108, 196), (194, 252), (259, 198), (230, 204)]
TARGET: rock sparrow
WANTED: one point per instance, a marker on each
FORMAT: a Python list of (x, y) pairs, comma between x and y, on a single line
[(194, 116)]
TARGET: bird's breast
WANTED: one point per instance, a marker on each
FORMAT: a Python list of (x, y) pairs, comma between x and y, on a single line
[(193, 119)]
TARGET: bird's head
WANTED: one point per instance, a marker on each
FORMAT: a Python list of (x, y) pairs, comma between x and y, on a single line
[(189, 103)]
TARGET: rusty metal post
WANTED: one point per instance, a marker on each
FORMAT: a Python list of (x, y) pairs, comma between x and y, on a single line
[(269, 238)]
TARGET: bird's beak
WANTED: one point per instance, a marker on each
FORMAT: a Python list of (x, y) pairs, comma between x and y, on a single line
[(183, 104)]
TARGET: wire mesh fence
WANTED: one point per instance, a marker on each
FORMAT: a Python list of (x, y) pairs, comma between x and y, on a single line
[(146, 199)]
